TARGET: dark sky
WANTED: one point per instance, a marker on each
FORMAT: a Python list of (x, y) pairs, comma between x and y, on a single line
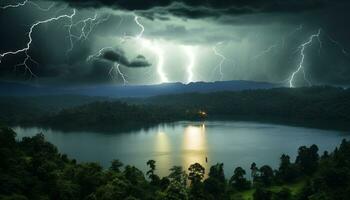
[(89, 42)]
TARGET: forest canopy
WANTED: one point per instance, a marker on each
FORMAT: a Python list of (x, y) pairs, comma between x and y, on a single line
[(320, 107)]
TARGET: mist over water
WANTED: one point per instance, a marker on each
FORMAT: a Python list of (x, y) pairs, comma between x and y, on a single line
[(184, 143)]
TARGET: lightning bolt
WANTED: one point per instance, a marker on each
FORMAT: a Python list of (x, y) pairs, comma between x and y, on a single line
[(155, 49), (98, 54), (87, 26), (265, 51), (222, 59), (302, 48), (190, 54), (160, 55), (25, 50), (159, 52), (20, 4), (115, 71), (277, 44), (136, 19)]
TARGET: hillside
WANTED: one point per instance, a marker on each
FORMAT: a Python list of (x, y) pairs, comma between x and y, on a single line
[(320, 107), (16, 89)]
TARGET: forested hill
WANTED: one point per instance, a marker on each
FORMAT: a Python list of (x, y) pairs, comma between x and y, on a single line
[(320, 107), (111, 115), (119, 91), (305, 106), (16, 110)]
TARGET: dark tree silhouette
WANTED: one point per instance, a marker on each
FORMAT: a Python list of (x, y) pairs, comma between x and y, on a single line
[(196, 173), (116, 165), (307, 159), (238, 181)]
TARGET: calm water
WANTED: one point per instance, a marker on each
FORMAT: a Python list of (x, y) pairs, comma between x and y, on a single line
[(183, 143)]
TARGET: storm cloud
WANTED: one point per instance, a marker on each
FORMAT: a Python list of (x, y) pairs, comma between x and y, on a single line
[(260, 41), (118, 55), (208, 8)]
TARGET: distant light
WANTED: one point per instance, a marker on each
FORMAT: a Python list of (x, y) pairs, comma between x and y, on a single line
[(202, 114)]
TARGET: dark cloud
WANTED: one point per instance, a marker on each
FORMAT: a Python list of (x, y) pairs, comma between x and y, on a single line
[(115, 56), (119, 56), (246, 29), (208, 8)]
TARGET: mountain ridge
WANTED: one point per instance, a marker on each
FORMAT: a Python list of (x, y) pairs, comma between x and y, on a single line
[(121, 91)]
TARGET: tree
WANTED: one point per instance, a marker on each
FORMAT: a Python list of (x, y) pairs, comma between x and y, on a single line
[(89, 177), (196, 173), (254, 171), (325, 155), (176, 191), (134, 175), (238, 180), (215, 184), (307, 159), (266, 175), (164, 183), (287, 171), (155, 180), (217, 172), (178, 174), (152, 165), (116, 165)]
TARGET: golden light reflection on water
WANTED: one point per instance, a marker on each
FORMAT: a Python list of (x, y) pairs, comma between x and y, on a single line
[(194, 146)]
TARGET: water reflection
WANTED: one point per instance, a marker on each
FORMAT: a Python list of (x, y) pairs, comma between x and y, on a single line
[(194, 146), (184, 143), (162, 151)]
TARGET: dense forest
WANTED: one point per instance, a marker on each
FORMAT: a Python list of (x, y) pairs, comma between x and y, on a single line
[(21, 110), (321, 107), (111, 115), (32, 168), (86, 113)]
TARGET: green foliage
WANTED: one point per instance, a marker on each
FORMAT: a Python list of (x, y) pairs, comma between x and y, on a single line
[(177, 174), (175, 191), (238, 180), (287, 172), (28, 109), (116, 165), (266, 175), (307, 159), (155, 180), (262, 194), (196, 173), (284, 194), (215, 184)]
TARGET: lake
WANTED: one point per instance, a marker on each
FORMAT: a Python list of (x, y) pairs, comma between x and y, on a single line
[(184, 143)]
